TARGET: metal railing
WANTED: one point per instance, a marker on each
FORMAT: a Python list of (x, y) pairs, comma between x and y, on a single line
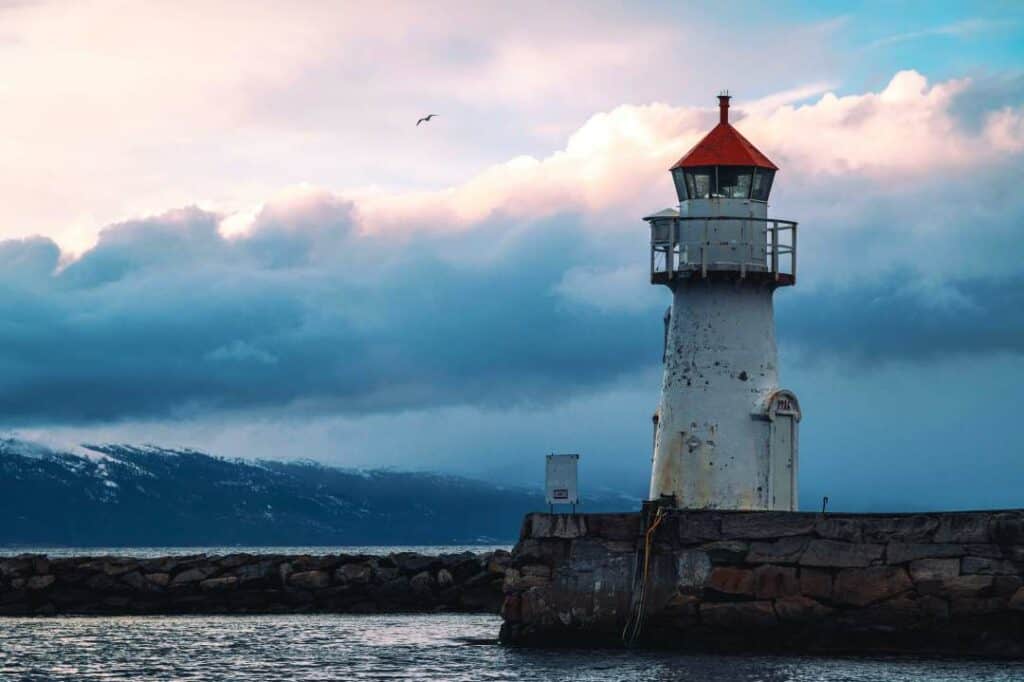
[(669, 255)]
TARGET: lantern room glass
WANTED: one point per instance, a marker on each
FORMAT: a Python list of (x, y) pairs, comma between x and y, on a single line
[(727, 182)]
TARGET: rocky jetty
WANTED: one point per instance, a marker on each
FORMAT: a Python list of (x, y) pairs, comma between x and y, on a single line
[(943, 583), (33, 584)]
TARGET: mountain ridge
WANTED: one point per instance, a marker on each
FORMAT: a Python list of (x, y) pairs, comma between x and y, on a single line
[(127, 495)]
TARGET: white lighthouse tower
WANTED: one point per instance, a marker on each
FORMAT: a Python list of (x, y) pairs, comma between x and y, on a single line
[(725, 434)]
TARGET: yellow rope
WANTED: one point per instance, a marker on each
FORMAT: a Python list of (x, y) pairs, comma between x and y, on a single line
[(632, 630)]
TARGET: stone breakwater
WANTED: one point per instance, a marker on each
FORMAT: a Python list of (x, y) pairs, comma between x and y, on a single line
[(251, 583), (945, 583)]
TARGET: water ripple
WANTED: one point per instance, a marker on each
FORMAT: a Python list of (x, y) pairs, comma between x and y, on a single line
[(396, 647)]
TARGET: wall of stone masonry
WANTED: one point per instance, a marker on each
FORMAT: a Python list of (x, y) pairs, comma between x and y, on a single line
[(942, 583), (248, 583)]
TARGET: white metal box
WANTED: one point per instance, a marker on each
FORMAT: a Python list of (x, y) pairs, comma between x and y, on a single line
[(560, 480)]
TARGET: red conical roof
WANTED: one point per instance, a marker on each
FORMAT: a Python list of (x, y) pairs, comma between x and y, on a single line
[(724, 146)]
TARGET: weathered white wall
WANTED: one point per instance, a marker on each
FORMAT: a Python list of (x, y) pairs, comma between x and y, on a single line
[(712, 442)]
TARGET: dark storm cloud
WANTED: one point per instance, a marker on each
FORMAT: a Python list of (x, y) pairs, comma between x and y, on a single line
[(165, 317)]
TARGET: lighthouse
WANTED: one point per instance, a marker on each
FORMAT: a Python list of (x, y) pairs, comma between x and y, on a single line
[(725, 433)]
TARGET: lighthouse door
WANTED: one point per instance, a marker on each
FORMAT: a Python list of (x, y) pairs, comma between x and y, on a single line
[(782, 463)]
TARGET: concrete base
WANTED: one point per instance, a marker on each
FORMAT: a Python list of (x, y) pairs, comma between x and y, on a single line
[(943, 583)]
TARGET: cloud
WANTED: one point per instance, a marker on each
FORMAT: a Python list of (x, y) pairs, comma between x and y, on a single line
[(524, 285)]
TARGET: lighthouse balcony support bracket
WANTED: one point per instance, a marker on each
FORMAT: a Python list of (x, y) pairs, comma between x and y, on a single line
[(723, 247)]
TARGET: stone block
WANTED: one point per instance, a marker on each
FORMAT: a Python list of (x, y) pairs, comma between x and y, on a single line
[(773, 582), (614, 526), (963, 528), (445, 579), (800, 609), (902, 552), (972, 565), (310, 580), (761, 525), (816, 583), (974, 606), (536, 570), (840, 554), (782, 551), (863, 586), (909, 529), (1006, 584), (839, 528), (738, 615), (934, 569), (680, 604), (1007, 529), (1017, 600), (565, 526), (731, 580), (693, 567), (726, 551), (696, 527), (967, 586), (932, 607)]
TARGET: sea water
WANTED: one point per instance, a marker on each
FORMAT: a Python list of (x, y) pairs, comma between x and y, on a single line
[(436, 647)]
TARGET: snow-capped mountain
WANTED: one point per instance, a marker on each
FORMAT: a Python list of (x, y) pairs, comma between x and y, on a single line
[(121, 495)]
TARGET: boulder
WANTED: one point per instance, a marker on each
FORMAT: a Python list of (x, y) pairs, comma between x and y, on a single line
[(783, 551), (840, 554), (159, 579), (422, 583), (356, 573), (228, 582), (797, 608), (738, 615), (863, 586), (934, 569), (193, 575), (772, 582), (256, 572), (310, 580), (412, 563), (816, 582), (444, 579), (40, 582)]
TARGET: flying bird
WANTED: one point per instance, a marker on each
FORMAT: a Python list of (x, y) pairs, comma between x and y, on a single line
[(426, 118)]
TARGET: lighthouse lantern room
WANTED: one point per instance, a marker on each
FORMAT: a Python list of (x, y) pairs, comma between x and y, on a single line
[(725, 434)]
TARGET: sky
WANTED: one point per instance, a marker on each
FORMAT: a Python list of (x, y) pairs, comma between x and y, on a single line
[(222, 229)]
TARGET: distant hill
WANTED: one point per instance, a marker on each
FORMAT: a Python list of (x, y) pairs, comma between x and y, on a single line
[(120, 495)]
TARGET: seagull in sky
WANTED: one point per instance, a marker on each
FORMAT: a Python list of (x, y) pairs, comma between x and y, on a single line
[(426, 118)]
